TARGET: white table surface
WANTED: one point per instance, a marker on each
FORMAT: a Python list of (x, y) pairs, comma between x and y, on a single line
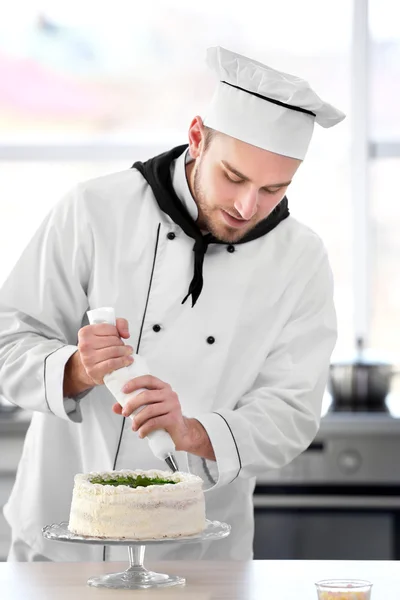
[(256, 580)]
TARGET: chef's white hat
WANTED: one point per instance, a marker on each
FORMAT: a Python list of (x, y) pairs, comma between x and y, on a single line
[(265, 107)]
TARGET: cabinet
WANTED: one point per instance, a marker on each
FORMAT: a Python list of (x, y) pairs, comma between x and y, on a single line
[(12, 434)]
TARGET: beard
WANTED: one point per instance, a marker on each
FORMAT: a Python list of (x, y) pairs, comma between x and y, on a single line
[(210, 215)]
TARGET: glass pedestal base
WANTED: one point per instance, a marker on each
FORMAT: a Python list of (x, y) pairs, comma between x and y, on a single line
[(129, 580), (136, 576)]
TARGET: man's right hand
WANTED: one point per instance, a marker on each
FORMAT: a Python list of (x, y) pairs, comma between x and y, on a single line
[(100, 351)]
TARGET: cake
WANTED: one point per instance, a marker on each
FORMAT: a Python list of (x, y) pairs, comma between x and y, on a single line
[(137, 504)]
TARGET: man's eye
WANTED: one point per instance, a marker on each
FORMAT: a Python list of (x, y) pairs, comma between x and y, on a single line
[(233, 180), (270, 192)]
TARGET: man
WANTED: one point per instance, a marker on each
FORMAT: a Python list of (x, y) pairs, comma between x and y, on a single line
[(227, 297)]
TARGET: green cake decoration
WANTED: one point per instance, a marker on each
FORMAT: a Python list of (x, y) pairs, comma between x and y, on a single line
[(130, 481)]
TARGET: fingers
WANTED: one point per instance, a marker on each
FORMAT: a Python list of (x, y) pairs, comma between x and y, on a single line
[(102, 350), (99, 336), (145, 381), (117, 408), (166, 422), (149, 412), (123, 328), (156, 406), (99, 329), (100, 370), (104, 354), (142, 399)]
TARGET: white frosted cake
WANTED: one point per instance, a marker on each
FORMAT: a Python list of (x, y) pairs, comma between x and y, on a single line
[(137, 505)]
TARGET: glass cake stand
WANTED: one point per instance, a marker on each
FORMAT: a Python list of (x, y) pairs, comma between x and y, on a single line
[(136, 576)]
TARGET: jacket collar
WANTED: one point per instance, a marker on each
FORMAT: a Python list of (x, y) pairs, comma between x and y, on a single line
[(181, 184), (157, 172)]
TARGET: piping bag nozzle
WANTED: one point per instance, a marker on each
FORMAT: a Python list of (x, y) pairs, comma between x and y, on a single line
[(171, 462)]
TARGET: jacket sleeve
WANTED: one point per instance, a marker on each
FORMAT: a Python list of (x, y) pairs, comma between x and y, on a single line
[(42, 304), (279, 417)]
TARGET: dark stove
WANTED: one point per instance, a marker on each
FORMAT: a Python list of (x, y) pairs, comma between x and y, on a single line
[(338, 500)]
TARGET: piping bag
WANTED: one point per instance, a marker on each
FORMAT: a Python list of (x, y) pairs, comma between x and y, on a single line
[(160, 442)]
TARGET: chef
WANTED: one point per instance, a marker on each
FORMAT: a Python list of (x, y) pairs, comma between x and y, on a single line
[(226, 295)]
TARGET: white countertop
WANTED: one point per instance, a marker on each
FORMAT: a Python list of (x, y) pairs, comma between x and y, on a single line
[(256, 580)]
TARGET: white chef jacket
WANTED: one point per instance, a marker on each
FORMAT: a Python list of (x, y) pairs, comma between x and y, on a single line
[(257, 389)]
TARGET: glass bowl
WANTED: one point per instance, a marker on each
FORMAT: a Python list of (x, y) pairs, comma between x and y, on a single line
[(344, 589)]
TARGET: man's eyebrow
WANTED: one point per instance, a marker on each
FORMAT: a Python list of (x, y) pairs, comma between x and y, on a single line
[(245, 178), (235, 171)]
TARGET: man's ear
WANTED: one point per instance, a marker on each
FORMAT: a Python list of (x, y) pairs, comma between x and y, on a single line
[(196, 137)]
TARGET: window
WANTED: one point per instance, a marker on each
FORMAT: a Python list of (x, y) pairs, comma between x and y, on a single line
[(84, 81), (384, 23), (384, 167), (28, 190)]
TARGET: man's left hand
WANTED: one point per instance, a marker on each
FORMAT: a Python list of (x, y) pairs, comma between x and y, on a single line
[(163, 411)]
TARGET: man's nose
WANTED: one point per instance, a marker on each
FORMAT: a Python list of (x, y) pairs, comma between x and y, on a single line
[(247, 204)]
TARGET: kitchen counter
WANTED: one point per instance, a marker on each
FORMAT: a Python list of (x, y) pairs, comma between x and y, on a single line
[(255, 580), (13, 428), (15, 422)]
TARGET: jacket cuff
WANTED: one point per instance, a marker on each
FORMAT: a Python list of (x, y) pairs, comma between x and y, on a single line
[(54, 366), (227, 466)]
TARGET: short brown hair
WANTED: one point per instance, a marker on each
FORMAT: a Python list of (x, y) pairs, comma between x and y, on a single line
[(209, 134)]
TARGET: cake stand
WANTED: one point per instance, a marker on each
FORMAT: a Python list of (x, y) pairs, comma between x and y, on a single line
[(136, 576)]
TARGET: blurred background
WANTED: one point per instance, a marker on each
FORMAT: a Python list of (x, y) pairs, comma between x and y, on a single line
[(87, 88)]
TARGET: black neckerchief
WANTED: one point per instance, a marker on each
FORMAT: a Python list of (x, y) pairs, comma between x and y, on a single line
[(157, 172)]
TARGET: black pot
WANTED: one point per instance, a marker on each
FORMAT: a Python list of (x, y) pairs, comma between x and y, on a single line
[(361, 384)]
